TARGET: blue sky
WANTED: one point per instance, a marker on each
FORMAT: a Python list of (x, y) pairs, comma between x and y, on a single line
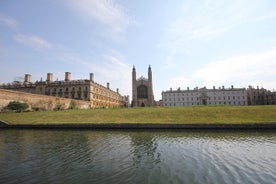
[(186, 42)]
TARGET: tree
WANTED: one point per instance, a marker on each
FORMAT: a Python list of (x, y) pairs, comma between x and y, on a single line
[(17, 106)]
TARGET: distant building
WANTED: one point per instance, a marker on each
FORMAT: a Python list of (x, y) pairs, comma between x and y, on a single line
[(159, 103), (204, 96), (125, 101), (142, 92), (98, 95), (260, 96)]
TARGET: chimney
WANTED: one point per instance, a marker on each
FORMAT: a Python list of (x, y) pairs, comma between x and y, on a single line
[(232, 86), (107, 85), (67, 76), (188, 89), (92, 77), (222, 87), (27, 78), (49, 77), (214, 87), (117, 90)]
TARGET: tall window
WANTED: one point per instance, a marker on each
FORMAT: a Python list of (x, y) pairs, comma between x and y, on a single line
[(142, 91)]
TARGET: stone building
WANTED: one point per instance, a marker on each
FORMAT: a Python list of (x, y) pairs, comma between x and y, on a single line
[(89, 90), (142, 92), (260, 96), (204, 96)]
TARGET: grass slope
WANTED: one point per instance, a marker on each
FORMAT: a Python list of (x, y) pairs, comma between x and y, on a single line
[(187, 115)]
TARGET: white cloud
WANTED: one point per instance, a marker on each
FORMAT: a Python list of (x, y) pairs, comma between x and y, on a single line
[(247, 69), (269, 15), (212, 19), (168, 63), (180, 82), (117, 72), (8, 21), (206, 21), (111, 69), (32, 41), (106, 12)]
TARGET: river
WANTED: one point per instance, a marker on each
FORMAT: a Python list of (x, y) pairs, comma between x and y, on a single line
[(140, 156)]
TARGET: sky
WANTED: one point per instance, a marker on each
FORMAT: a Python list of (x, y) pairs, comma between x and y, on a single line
[(187, 43)]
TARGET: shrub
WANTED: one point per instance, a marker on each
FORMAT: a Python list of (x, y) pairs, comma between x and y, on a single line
[(73, 105), (17, 106), (59, 107)]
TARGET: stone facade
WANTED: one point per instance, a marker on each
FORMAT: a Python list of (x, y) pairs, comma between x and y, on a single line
[(98, 95), (142, 90), (260, 96), (204, 96)]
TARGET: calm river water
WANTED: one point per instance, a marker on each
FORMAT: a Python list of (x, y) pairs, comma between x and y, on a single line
[(94, 156)]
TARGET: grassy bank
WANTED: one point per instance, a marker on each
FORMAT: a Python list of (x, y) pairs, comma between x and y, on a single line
[(187, 115)]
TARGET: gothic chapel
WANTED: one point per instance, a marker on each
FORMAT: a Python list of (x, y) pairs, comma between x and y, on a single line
[(142, 92)]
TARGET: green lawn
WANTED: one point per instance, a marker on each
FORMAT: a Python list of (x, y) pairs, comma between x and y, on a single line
[(198, 114)]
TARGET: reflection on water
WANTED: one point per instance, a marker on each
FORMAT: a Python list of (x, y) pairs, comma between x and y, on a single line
[(75, 156)]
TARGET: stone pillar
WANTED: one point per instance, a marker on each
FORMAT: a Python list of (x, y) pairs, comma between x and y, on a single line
[(49, 77), (67, 76), (92, 77), (27, 78)]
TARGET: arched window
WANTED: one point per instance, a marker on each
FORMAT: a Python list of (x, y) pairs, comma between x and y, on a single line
[(142, 91)]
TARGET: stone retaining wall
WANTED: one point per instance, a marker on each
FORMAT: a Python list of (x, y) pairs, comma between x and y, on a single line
[(42, 102), (251, 126)]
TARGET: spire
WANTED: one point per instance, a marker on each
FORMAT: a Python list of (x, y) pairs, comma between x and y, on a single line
[(149, 73), (133, 73), (149, 70)]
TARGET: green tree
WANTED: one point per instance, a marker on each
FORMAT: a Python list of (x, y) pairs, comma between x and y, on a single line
[(17, 106)]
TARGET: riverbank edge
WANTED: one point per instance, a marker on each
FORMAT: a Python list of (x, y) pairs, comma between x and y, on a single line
[(249, 126)]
